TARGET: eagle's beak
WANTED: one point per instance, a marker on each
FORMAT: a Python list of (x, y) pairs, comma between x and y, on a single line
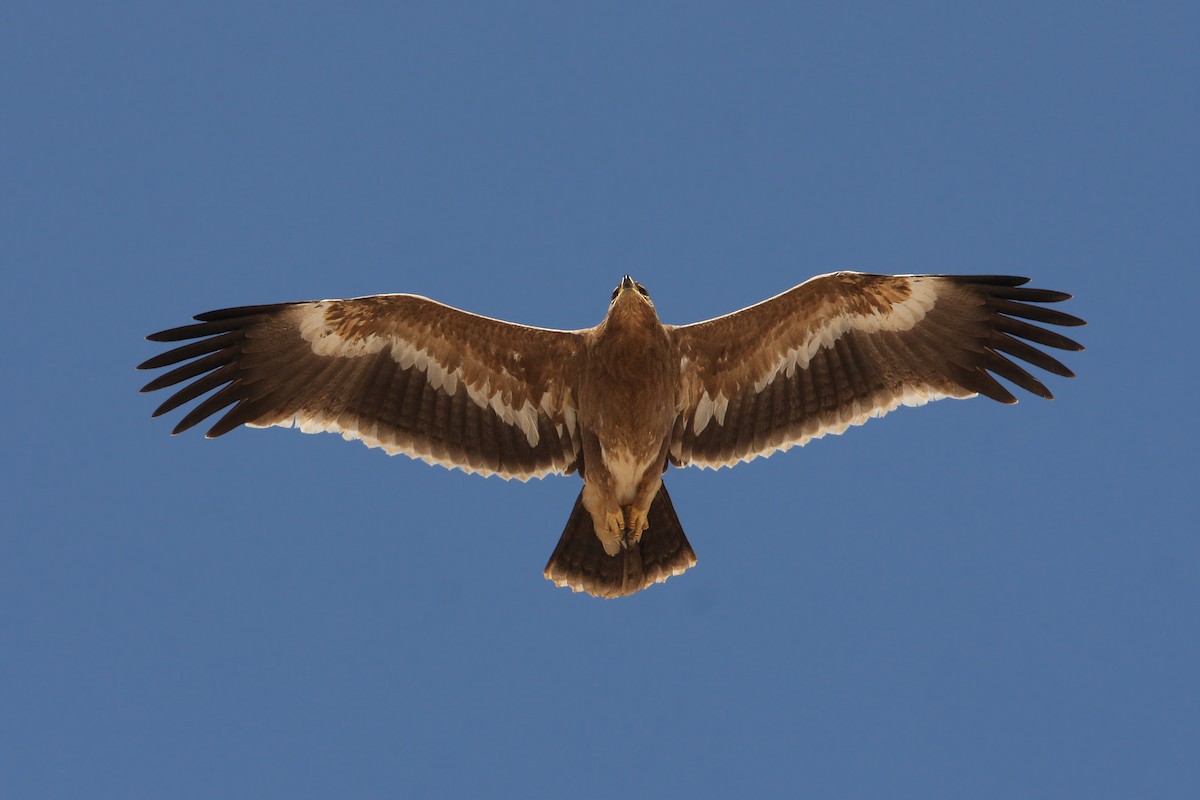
[(626, 283)]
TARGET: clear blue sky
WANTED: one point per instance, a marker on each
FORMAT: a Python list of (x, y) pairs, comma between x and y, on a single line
[(963, 600)]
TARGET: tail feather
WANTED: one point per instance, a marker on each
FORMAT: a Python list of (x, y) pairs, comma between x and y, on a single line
[(580, 563)]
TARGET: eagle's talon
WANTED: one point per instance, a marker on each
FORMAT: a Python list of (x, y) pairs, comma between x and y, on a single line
[(614, 539), (638, 522)]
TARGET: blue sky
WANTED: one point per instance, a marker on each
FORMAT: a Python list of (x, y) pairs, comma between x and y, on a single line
[(961, 600)]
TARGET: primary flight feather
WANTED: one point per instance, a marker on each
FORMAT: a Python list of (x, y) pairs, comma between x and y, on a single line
[(618, 402)]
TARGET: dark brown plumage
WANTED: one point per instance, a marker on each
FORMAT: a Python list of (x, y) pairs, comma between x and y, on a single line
[(616, 403)]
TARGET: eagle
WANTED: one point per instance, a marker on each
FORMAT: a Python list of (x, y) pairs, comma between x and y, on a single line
[(618, 403)]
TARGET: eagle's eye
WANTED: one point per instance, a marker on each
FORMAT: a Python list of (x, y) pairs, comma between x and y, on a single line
[(616, 292), (641, 290)]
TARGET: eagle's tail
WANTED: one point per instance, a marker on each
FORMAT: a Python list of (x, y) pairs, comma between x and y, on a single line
[(580, 563)]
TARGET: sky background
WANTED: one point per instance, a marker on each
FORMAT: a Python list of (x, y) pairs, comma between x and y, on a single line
[(966, 599)]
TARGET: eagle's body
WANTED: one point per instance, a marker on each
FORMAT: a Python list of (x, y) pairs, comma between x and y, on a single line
[(628, 386), (616, 403)]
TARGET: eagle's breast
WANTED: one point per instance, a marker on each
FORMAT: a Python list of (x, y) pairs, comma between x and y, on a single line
[(627, 396)]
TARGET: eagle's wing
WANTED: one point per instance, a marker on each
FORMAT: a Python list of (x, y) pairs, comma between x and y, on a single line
[(399, 372), (841, 348)]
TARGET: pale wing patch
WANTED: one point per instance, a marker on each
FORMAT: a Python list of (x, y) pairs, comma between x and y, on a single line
[(709, 408), (326, 341), (900, 316), (547, 407)]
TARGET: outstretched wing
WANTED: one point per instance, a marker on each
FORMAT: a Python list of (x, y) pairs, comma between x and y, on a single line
[(399, 372), (842, 348)]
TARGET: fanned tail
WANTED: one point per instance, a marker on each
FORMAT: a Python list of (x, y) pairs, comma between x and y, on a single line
[(580, 563)]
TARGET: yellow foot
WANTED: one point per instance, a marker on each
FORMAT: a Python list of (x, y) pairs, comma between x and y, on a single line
[(637, 524), (613, 538)]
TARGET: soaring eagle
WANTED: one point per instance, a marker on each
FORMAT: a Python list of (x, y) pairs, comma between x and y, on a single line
[(616, 403)]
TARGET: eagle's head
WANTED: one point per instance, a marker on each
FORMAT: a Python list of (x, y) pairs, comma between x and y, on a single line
[(631, 306), (628, 288)]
